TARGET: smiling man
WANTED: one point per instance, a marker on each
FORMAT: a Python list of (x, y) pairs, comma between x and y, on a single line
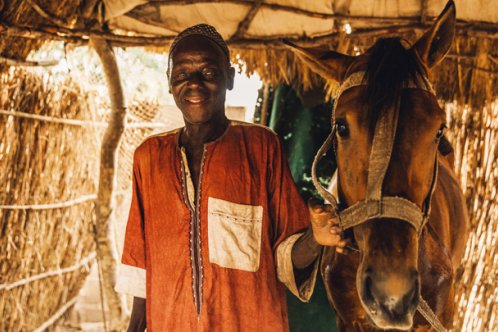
[(216, 224)]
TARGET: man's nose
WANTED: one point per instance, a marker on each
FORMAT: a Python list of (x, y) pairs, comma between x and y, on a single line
[(195, 78)]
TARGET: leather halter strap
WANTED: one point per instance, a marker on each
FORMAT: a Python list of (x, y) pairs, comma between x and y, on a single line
[(376, 205)]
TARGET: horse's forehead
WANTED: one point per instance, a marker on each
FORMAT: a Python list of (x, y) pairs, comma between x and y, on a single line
[(417, 103), (422, 105), (351, 100)]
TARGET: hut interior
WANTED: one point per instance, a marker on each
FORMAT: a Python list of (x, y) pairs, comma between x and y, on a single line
[(64, 176)]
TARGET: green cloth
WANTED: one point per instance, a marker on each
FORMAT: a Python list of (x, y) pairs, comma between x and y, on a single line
[(303, 126)]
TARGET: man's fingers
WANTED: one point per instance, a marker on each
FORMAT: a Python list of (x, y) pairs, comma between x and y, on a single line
[(342, 244), (316, 207), (341, 247), (335, 239), (335, 230)]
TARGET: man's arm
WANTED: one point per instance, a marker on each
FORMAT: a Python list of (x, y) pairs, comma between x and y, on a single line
[(305, 251), (137, 320), (132, 272), (291, 218), (322, 232)]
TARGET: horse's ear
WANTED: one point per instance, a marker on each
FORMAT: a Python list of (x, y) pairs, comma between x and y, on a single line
[(436, 42), (326, 63)]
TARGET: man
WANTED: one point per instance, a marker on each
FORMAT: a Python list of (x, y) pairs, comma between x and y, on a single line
[(215, 218)]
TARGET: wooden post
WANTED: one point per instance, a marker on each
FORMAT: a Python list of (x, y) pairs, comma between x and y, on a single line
[(106, 247), (264, 105)]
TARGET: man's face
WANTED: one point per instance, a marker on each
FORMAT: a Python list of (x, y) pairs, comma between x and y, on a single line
[(200, 76)]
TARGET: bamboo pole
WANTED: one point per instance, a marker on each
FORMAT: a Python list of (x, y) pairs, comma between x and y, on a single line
[(51, 321), (106, 247), (85, 262), (26, 63)]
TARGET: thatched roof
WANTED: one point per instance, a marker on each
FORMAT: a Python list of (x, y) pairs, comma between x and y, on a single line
[(254, 29), (21, 14), (248, 23)]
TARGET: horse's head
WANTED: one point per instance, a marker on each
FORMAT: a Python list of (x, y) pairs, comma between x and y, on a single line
[(393, 79)]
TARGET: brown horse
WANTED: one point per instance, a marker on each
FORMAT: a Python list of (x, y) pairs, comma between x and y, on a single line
[(379, 287)]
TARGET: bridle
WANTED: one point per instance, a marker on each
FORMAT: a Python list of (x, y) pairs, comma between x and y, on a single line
[(376, 205)]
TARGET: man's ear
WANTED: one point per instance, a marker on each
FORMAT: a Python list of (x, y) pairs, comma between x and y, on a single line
[(169, 81), (231, 76), (436, 42)]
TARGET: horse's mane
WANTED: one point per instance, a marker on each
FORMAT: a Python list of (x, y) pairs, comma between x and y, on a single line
[(389, 66)]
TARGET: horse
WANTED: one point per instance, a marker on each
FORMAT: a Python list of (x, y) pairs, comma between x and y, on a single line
[(399, 200)]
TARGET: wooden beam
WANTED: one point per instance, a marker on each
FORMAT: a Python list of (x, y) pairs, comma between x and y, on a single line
[(106, 247), (26, 63), (83, 36), (52, 18), (57, 33), (88, 8), (244, 24), (276, 40), (37, 33), (243, 2), (423, 11)]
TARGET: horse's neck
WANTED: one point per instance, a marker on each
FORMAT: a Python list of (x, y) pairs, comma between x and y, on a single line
[(434, 257), (449, 216)]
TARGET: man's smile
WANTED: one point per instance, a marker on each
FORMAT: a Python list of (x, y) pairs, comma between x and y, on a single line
[(195, 100)]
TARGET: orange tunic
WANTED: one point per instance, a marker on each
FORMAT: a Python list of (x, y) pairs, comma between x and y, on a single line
[(212, 262)]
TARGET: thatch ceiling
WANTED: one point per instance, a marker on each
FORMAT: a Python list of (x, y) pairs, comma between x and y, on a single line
[(22, 14), (255, 28), (246, 22)]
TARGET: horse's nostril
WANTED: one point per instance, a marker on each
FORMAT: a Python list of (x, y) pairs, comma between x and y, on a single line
[(368, 296), (409, 300), (412, 297)]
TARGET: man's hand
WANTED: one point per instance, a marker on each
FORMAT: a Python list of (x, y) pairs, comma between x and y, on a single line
[(138, 317), (326, 230)]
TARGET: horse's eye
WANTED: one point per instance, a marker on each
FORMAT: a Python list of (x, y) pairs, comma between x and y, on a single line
[(342, 129), (440, 132)]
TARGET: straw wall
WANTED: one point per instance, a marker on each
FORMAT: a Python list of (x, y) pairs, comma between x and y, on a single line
[(47, 186), (474, 134), (143, 116)]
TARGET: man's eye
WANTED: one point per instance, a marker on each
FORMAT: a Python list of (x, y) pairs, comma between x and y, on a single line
[(180, 76), (209, 73)]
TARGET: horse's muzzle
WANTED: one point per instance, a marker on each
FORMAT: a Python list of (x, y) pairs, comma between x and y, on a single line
[(390, 299)]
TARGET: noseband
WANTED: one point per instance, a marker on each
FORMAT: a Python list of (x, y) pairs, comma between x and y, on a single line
[(376, 205)]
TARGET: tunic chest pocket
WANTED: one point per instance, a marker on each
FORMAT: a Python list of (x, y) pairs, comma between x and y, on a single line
[(234, 234)]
